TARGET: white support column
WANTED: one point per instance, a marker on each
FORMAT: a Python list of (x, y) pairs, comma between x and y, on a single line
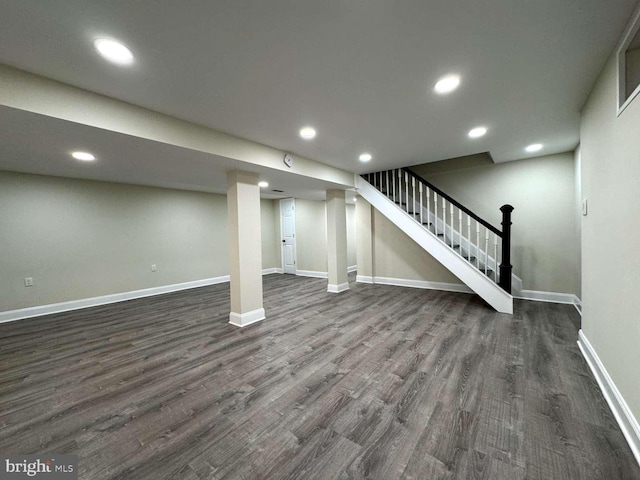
[(337, 241), (245, 248), (364, 241)]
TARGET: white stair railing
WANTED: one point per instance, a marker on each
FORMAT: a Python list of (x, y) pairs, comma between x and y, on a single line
[(445, 218)]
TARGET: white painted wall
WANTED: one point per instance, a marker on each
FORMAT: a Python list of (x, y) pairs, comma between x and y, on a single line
[(577, 171), (610, 151), (386, 251), (351, 235), (364, 238), (544, 233), (270, 220), (311, 235), (396, 255), (81, 239)]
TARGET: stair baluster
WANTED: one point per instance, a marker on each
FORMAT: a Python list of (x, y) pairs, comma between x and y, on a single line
[(428, 207), (460, 229), (469, 237), (393, 180), (477, 245), (406, 190), (387, 189), (451, 235), (435, 207), (413, 193), (444, 220), (432, 213), (421, 209), (486, 249)]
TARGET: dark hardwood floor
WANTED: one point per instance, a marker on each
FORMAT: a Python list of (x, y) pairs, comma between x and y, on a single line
[(378, 382)]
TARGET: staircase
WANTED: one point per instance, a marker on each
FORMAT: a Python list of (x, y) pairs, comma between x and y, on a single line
[(464, 243)]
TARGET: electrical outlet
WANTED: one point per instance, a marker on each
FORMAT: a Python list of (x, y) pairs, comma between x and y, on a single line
[(153, 267), (28, 282)]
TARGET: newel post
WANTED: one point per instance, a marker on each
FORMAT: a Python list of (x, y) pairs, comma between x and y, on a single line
[(505, 264)]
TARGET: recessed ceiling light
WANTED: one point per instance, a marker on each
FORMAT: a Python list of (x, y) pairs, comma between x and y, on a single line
[(308, 133), (355, 199), (477, 132), (84, 156), (365, 157), (533, 147), (447, 84), (114, 51), (263, 184)]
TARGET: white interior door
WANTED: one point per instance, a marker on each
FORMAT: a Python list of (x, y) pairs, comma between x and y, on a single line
[(288, 233)]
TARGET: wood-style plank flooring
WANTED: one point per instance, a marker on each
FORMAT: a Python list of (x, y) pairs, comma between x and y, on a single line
[(378, 382)]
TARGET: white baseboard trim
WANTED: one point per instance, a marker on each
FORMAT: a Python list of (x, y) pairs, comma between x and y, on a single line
[(269, 271), (536, 295), (38, 311), (541, 296), (312, 273), (247, 318), (331, 288), (550, 297), (401, 282), (578, 304), (627, 422), (364, 279)]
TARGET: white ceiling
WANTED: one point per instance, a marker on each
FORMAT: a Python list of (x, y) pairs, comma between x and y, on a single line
[(360, 71)]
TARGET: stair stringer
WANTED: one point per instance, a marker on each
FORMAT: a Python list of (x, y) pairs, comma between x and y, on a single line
[(468, 274)]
